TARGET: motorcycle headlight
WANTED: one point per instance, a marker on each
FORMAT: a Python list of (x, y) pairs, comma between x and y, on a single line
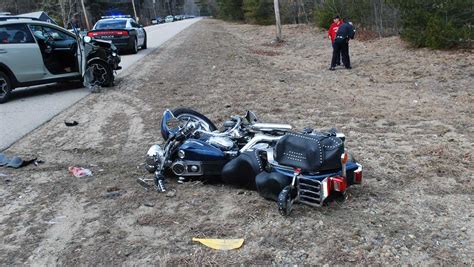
[(153, 158), (114, 54)]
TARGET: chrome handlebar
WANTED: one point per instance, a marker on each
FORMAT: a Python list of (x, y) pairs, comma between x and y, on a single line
[(227, 132)]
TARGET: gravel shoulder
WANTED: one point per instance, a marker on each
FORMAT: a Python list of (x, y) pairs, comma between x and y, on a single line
[(407, 115)]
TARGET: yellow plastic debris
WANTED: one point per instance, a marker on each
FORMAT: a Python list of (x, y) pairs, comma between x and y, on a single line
[(221, 244)]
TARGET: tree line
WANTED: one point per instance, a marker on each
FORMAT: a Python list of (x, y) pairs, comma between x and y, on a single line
[(64, 11), (424, 23)]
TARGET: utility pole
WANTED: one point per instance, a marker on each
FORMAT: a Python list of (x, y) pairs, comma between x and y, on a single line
[(277, 18), (134, 10), (85, 15)]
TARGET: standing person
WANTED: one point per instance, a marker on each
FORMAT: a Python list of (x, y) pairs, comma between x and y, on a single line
[(341, 44), (332, 35)]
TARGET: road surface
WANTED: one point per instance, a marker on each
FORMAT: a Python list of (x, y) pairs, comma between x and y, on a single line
[(30, 107)]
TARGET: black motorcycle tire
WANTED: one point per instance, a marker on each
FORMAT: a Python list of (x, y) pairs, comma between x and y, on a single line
[(285, 205), (180, 112)]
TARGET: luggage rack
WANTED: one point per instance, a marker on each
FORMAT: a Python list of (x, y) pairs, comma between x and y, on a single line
[(309, 192)]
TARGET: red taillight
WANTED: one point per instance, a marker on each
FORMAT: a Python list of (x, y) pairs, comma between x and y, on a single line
[(101, 33), (358, 175), (123, 33), (338, 184)]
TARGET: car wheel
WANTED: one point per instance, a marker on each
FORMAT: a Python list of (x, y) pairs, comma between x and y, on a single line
[(5, 87), (144, 43), (100, 74), (135, 46)]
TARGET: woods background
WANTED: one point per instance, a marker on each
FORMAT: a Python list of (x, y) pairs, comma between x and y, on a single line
[(431, 23)]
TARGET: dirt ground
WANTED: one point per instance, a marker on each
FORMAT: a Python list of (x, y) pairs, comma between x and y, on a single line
[(407, 115)]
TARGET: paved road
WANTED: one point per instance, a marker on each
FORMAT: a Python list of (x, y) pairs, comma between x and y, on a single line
[(30, 107)]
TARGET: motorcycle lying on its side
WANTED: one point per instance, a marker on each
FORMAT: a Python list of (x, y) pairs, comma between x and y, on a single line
[(306, 167)]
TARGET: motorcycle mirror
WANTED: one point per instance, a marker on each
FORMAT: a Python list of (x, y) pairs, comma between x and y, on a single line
[(251, 117), (87, 39), (173, 124)]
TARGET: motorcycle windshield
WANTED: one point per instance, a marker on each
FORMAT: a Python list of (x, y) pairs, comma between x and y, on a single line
[(165, 129)]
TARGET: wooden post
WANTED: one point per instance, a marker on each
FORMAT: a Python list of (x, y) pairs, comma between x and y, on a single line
[(134, 10), (277, 18), (85, 15)]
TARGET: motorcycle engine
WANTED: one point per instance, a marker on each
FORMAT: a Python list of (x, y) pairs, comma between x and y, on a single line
[(221, 142)]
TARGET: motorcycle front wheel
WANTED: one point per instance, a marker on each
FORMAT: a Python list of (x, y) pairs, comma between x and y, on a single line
[(187, 114)]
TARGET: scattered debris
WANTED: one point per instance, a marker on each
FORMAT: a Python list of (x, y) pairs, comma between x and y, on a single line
[(79, 171), (56, 220), (95, 88), (3, 174), (182, 180), (221, 244), (70, 124), (113, 194), (17, 162), (171, 193), (3, 159), (143, 182), (38, 162), (113, 189)]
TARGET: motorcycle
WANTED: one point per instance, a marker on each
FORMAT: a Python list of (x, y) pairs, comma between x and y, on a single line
[(283, 165)]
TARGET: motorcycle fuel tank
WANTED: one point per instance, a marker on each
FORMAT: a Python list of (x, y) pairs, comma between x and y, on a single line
[(195, 149)]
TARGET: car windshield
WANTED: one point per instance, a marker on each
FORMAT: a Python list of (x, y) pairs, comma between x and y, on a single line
[(111, 24)]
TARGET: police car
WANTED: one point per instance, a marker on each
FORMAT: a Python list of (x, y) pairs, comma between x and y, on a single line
[(124, 32)]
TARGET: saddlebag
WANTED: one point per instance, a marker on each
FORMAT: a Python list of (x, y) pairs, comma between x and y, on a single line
[(310, 152), (242, 170), (270, 184)]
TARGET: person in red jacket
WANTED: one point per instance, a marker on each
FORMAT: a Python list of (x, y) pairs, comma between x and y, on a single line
[(332, 34)]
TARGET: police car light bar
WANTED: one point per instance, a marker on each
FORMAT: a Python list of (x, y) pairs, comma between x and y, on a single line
[(116, 17)]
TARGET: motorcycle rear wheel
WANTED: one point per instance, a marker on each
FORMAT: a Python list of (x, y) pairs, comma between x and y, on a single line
[(186, 114), (285, 201)]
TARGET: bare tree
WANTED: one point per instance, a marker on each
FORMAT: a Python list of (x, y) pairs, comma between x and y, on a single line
[(277, 19), (85, 15)]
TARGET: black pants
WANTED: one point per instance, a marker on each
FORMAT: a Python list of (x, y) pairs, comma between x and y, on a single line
[(341, 47), (338, 56)]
